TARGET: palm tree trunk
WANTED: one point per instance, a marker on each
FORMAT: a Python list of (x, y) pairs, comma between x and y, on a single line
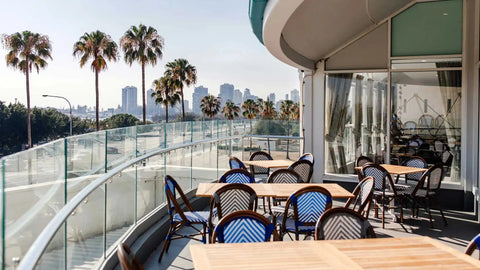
[(143, 93), (29, 126), (97, 103), (166, 113), (183, 105)]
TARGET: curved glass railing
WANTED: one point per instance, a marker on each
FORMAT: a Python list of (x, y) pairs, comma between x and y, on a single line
[(38, 183)]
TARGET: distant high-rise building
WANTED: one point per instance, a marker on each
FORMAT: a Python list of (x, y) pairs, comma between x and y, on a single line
[(237, 97), (226, 93), (129, 99), (277, 105), (198, 93), (271, 97), (295, 95), (247, 94), (286, 96)]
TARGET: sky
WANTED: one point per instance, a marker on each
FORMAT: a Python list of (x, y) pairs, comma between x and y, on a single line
[(213, 35)]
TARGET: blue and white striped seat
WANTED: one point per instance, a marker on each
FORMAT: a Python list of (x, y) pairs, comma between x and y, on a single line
[(193, 217), (473, 245), (243, 227), (238, 176)]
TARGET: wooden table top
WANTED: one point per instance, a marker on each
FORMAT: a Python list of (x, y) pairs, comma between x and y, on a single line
[(398, 169), (401, 253), (275, 190), (270, 164)]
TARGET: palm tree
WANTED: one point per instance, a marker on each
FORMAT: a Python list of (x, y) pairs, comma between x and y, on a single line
[(260, 104), (145, 45), (210, 106), (230, 110), (287, 108), (100, 47), (269, 111), (250, 110), (165, 92), (181, 70), (27, 50)]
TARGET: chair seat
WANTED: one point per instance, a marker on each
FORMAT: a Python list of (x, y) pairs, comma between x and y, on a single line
[(193, 217), (378, 193), (290, 225), (279, 210)]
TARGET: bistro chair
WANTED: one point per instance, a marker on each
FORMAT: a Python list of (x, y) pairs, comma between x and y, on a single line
[(384, 189), (308, 205), (307, 156), (473, 245), (425, 192), (231, 198), (180, 218), (281, 176), (417, 162), (362, 160), (363, 193), (239, 176), (343, 223), (260, 172), (304, 168), (244, 227), (236, 163), (127, 259)]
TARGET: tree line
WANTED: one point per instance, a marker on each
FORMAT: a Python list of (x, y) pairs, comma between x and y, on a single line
[(142, 44)]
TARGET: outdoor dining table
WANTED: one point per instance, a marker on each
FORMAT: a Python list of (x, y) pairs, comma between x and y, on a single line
[(275, 190), (270, 164), (398, 169), (402, 253)]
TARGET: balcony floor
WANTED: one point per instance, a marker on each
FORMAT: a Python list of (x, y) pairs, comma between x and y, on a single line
[(461, 228)]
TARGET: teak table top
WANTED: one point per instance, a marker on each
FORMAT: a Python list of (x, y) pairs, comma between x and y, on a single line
[(398, 169), (401, 253), (275, 190), (270, 164)]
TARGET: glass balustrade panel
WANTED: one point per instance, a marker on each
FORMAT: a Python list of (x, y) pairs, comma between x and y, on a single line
[(204, 163), (121, 146), (149, 185), (55, 256)]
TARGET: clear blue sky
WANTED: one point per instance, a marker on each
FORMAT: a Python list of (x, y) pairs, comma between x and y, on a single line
[(214, 35)]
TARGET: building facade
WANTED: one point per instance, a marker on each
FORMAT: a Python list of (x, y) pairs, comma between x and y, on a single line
[(198, 93), (129, 99)]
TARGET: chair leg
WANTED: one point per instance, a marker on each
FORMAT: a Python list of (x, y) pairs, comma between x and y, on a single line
[(427, 208), (383, 216), (167, 241)]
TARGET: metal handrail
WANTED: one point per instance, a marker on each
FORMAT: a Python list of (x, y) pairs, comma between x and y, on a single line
[(40, 244)]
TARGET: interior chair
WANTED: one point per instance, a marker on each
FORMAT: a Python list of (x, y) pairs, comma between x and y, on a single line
[(236, 163), (304, 168), (473, 245), (244, 227), (258, 172), (425, 192), (409, 127), (363, 193), (384, 191), (307, 156), (417, 162), (127, 259), (308, 205), (231, 198), (362, 160), (239, 176), (281, 176), (180, 218), (343, 223)]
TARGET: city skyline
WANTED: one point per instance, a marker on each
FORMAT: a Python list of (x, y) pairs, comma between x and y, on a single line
[(213, 36)]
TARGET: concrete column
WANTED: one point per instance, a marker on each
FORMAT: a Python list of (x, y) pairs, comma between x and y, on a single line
[(317, 114)]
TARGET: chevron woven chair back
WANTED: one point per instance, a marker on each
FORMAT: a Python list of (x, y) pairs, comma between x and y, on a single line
[(243, 227), (474, 245), (309, 203), (435, 177), (362, 160), (260, 155), (307, 156), (363, 195), (381, 177), (284, 176), (416, 162), (236, 163), (342, 223), (239, 176), (304, 168), (232, 198)]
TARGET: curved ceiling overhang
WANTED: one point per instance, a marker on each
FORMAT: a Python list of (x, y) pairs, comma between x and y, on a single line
[(302, 32)]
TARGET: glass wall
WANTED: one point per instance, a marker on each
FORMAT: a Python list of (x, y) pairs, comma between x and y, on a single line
[(426, 117), (355, 119)]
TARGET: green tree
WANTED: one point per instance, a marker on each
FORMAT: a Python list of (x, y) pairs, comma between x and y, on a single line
[(144, 45), (166, 92), (188, 117), (230, 110), (269, 111), (210, 106), (120, 120), (27, 50), (288, 111), (99, 47), (185, 73), (260, 106), (250, 110)]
